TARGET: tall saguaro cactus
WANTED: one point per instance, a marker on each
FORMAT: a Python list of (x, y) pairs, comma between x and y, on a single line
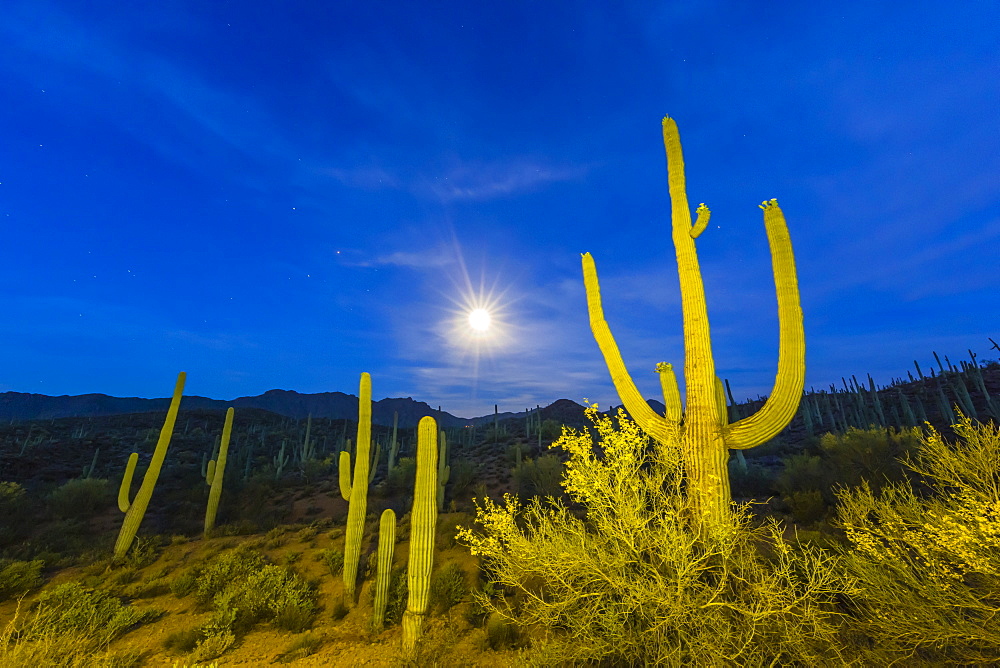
[(358, 504), (702, 428), (423, 524), (135, 510), (216, 474)]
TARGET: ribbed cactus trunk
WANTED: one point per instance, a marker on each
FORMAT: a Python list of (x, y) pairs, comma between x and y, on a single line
[(386, 546), (359, 488), (423, 524), (136, 510), (702, 430), (217, 474)]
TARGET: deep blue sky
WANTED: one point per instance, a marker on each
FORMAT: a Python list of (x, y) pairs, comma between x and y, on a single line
[(283, 195)]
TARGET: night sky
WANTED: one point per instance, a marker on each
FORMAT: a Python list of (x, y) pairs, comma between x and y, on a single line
[(285, 194)]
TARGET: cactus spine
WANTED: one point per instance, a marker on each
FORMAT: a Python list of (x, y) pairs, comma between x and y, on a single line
[(135, 510), (423, 524), (359, 488), (217, 473), (386, 545), (706, 434)]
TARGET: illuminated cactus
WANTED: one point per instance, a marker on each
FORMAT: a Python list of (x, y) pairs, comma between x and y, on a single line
[(358, 505), (705, 434), (135, 510), (423, 524), (386, 545), (216, 474)]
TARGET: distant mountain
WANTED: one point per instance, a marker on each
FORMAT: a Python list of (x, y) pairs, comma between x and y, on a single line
[(333, 405)]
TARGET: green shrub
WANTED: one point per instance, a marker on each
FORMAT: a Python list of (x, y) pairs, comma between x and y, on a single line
[(185, 583), (227, 568), (927, 570), (184, 640), (806, 506), (539, 477), (802, 471), (17, 577), (402, 475), (398, 598), (755, 482), (81, 498), (462, 476), (305, 645), (334, 560), (270, 593), (448, 587), (633, 584), (501, 633), (71, 608), (551, 430)]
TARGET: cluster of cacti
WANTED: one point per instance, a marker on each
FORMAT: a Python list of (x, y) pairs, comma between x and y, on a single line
[(136, 509), (308, 450), (215, 474), (386, 546), (280, 460), (705, 434), (358, 498), (423, 525)]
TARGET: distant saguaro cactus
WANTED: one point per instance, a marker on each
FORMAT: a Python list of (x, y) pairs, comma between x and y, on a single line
[(702, 430), (358, 504), (423, 525), (135, 510), (216, 474)]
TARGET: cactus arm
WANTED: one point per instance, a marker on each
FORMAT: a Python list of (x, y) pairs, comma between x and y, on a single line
[(138, 507), (781, 406), (345, 475), (671, 393), (386, 545), (704, 213), (422, 531), (374, 464), (126, 487), (358, 504), (641, 412), (217, 473)]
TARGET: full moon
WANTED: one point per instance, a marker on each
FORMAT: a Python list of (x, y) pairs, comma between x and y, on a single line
[(479, 320)]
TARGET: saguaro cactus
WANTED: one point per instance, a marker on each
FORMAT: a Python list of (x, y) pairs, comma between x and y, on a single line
[(135, 510), (423, 524), (358, 504), (386, 545), (216, 474), (703, 430)]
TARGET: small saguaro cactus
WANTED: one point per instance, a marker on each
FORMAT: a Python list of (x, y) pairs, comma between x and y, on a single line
[(135, 510), (216, 474), (358, 504), (703, 430), (423, 524), (444, 471), (386, 545)]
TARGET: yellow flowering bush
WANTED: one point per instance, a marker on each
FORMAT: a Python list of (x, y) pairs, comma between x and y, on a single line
[(928, 567), (629, 583)]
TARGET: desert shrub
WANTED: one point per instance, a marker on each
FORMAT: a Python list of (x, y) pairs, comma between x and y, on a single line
[(463, 474), (873, 455), (551, 430), (806, 506), (71, 609), (80, 498), (270, 593), (184, 640), (448, 587), (636, 584), (402, 475), (17, 521), (398, 598), (927, 570), (802, 471), (334, 560), (17, 577), (754, 481), (501, 633), (185, 583), (539, 477), (306, 644), (227, 568)]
